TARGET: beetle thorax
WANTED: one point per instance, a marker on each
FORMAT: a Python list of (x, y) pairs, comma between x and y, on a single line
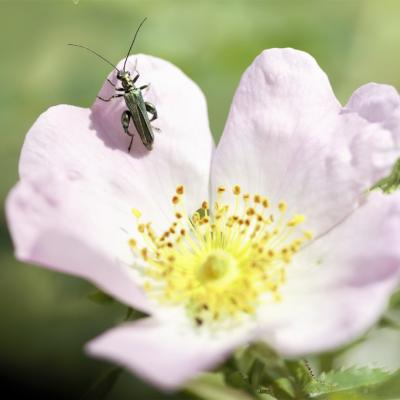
[(125, 79), (126, 82)]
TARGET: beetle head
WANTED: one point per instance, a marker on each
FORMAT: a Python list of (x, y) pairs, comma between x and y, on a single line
[(123, 75), (125, 78)]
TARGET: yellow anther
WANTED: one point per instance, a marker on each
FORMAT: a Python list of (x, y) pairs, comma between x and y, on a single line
[(295, 247), (180, 189), (308, 235), (267, 236), (296, 220), (282, 206), (175, 199), (136, 213), (250, 212), (147, 286), (145, 254), (205, 260)]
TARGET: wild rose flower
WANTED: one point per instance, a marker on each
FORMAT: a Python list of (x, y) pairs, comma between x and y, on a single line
[(273, 236)]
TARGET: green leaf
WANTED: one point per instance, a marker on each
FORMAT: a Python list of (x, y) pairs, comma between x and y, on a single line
[(275, 365), (388, 322), (265, 396), (256, 374), (346, 379), (237, 380), (259, 371), (392, 182), (100, 297), (301, 371), (285, 386), (390, 389), (211, 386), (395, 300), (264, 353)]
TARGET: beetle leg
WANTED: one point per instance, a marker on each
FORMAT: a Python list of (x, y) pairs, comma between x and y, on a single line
[(136, 77), (125, 119), (151, 109), (110, 82), (144, 87), (112, 97)]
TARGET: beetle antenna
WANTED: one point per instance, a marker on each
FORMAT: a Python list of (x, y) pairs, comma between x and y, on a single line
[(133, 41), (97, 54)]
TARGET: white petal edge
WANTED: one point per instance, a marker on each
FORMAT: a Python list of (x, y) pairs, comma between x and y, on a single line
[(340, 285), (164, 354), (288, 138), (66, 227), (91, 142)]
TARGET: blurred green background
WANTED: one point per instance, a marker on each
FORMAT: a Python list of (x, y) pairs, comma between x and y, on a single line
[(46, 317)]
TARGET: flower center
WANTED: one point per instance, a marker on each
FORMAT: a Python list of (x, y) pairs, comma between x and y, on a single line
[(219, 267), (220, 263)]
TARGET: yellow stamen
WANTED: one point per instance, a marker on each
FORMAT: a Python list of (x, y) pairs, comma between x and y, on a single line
[(136, 213), (180, 189), (221, 263)]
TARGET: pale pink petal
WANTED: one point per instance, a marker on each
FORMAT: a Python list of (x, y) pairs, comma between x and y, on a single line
[(72, 227), (92, 143), (288, 138), (379, 104), (162, 353), (96, 182), (339, 286), (374, 102)]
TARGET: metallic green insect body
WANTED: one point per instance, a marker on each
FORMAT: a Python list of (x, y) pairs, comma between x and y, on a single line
[(138, 110)]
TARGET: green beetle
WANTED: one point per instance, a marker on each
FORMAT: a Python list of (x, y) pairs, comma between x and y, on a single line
[(138, 110)]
